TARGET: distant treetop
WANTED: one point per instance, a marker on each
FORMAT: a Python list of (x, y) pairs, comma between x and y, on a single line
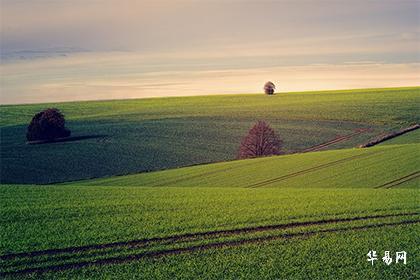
[(269, 88)]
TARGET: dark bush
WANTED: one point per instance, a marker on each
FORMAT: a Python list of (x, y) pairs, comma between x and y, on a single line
[(269, 88), (47, 125), (260, 141)]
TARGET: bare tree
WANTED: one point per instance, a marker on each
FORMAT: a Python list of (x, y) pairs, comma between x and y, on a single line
[(260, 141), (269, 88)]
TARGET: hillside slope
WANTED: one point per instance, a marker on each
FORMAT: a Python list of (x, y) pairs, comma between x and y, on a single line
[(248, 210), (374, 167), (131, 136)]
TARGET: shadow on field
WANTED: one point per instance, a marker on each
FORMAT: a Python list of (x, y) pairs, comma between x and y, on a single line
[(67, 139)]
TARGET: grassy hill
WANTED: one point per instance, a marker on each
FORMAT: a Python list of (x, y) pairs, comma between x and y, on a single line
[(131, 136), (333, 255), (115, 232), (315, 214), (240, 212), (351, 168)]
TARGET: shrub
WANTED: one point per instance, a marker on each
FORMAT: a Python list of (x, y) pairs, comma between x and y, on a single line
[(260, 141), (47, 125), (269, 88)]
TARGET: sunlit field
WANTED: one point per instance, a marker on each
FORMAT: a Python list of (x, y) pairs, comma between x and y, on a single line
[(131, 136), (317, 209)]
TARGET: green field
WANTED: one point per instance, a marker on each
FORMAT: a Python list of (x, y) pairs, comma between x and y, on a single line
[(336, 255), (52, 217), (162, 133), (351, 168), (411, 137), (312, 215)]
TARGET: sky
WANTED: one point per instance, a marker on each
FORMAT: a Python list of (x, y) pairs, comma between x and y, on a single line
[(66, 50)]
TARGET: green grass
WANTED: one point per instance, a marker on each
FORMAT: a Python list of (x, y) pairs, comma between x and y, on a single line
[(324, 256), (154, 134), (351, 168), (214, 197), (299, 216), (410, 137), (50, 217)]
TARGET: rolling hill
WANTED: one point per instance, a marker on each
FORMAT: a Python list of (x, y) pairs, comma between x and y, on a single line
[(131, 136), (351, 168), (317, 212), (123, 225)]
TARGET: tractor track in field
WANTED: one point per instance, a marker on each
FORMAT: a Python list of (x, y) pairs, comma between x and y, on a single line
[(309, 170), (310, 149), (186, 178), (181, 238), (336, 140), (195, 248), (400, 180)]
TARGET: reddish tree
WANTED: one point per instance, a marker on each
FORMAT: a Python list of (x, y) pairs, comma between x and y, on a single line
[(260, 141)]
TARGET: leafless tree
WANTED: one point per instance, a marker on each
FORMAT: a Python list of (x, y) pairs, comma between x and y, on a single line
[(269, 88), (260, 141)]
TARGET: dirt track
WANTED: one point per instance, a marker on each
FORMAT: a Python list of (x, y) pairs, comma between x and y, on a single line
[(29, 256), (308, 170), (189, 177), (336, 140), (399, 181)]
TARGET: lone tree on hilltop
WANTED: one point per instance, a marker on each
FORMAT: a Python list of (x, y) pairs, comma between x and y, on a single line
[(269, 88), (47, 125), (260, 141)]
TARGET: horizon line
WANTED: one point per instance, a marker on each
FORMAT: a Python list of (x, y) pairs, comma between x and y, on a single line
[(204, 95)]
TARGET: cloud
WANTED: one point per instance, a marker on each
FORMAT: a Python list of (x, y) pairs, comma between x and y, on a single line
[(104, 25), (153, 48)]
